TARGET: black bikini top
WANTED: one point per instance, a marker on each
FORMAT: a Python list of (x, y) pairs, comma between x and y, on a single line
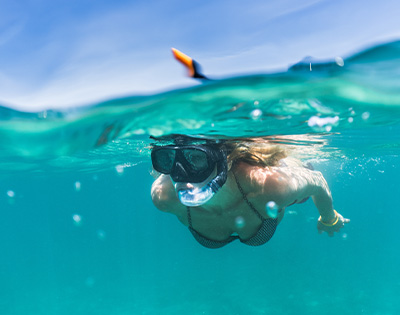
[(263, 235)]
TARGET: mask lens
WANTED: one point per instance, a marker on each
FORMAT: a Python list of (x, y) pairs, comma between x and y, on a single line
[(163, 160), (197, 159)]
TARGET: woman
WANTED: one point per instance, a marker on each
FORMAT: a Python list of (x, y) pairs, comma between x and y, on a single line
[(221, 190)]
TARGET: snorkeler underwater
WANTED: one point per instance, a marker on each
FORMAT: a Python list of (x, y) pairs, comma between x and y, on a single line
[(230, 195), (274, 180)]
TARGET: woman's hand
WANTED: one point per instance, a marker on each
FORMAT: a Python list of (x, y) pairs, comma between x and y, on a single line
[(333, 226)]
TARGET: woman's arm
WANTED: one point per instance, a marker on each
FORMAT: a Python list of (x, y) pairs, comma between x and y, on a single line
[(288, 185), (303, 183), (321, 195)]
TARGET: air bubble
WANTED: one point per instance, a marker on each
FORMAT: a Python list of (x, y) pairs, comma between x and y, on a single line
[(339, 61), (77, 186), (350, 119), (365, 115), (239, 222), (77, 219), (256, 114), (272, 209), (119, 169), (256, 103), (11, 194)]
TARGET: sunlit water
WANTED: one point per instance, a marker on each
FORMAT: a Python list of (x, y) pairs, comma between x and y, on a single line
[(80, 235)]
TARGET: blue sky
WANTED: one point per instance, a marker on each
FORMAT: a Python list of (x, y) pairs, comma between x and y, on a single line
[(69, 53)]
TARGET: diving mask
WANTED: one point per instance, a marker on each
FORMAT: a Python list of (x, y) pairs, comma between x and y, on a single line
[(195, 165)]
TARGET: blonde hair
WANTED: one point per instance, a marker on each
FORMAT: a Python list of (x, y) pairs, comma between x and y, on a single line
[(255, 153)]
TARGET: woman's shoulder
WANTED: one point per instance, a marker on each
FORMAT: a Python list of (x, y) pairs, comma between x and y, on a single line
[(256, 178), (268, 183)]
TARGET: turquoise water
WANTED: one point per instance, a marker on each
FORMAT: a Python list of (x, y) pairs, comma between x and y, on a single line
[(79, 233)]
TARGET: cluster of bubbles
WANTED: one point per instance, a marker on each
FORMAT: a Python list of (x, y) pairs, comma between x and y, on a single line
[(77, 219), (322, 124), (317, 123), (256, 113), (121, 167), (364, 115)]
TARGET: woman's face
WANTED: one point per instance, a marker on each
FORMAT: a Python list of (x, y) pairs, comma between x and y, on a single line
[(197, 171)]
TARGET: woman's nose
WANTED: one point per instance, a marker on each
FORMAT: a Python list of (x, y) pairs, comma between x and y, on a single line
[(179, 173)]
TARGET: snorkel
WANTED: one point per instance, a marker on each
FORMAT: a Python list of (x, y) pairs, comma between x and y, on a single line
[(203, 192)]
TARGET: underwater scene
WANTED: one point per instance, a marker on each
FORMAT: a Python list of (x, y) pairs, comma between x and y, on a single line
[(80, 234)]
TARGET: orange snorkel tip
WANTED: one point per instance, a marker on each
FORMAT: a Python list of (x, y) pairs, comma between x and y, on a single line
[(185, 60), (190, 64)]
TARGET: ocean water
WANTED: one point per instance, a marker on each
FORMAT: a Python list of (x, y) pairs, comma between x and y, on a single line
[(80, 235)]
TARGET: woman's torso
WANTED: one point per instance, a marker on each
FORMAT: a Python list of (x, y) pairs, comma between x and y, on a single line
[(228, 213)]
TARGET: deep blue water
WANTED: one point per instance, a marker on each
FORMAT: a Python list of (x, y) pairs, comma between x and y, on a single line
[(104, 248)]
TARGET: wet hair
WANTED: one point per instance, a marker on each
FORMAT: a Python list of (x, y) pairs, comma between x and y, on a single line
[(255, 153)]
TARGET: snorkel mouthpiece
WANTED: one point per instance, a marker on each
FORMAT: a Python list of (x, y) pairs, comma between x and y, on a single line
[(196, 196), (203, 192)]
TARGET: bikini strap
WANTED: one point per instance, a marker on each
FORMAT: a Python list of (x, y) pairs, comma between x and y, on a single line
[(247, 200), (189, 217)]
